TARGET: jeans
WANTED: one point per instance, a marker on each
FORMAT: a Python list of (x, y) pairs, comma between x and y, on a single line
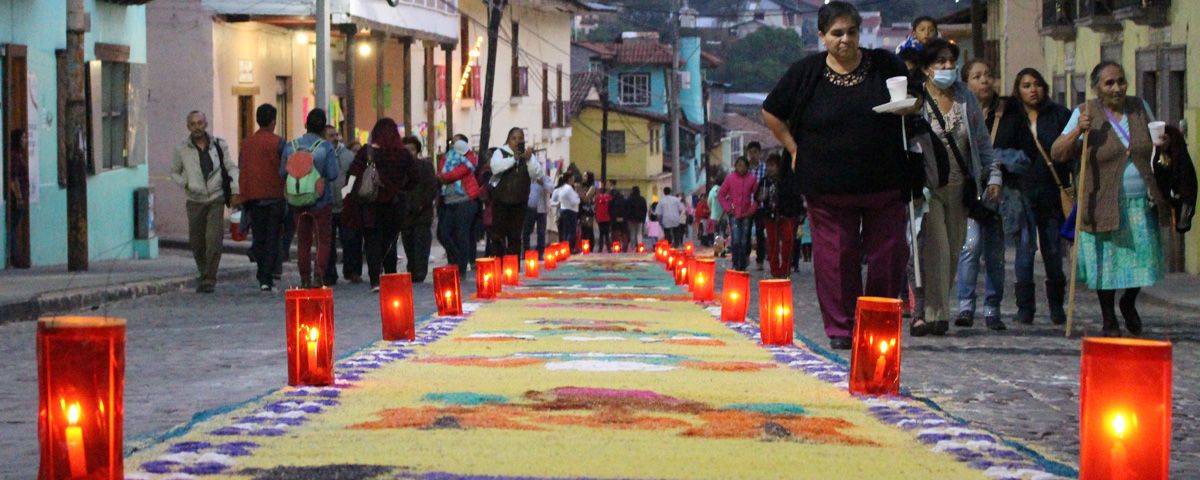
[(352, 251), (506, 228), (984, 241), (417, 241), (1040, 231), (534, 220), (781, 233), (266, 222), (314, 226), (206, 232), (741, 243), (635, 234), (567, 222), (457, 226), (604, 243), (760, 236)]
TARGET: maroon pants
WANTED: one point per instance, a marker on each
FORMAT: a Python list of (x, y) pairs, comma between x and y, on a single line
[(781, 235), (314, 225), (845, 228)]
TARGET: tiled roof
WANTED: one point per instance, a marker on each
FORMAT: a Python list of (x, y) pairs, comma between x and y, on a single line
[(752, 130), (581, 85), (643, 52)]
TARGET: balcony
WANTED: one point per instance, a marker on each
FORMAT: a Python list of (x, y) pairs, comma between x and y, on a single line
[(1058, 19), (1142, 12), (1097, 15)]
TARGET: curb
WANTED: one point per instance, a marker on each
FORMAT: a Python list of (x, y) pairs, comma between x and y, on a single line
[(49, 303)]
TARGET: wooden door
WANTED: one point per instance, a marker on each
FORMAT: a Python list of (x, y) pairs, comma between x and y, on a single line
[(16, 118), (246, 120)]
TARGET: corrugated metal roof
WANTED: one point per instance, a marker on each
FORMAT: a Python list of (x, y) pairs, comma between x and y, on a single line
[(286, 8)]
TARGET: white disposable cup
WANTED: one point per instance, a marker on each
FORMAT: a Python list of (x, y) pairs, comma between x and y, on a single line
[(1157, 131), (898, 88)]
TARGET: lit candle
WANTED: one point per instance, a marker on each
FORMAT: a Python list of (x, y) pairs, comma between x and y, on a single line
[(1119, 457), (508, 273), (881, 363), (75, 455), (313, 334), (487, 277)]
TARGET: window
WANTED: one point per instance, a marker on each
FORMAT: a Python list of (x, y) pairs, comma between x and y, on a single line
[(520, 81), (616, 141), (1079, 87), (108, 102), (634, 89), (655, 140), (1060, 90)]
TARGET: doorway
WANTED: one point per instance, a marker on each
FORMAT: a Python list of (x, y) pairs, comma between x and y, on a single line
[(16, 157), (283, 100), (245, 116)]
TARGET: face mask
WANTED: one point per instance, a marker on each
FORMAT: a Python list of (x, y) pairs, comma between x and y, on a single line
[(461, 147), (945, 78)]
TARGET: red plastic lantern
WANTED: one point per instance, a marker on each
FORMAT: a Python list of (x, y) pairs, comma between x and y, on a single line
[(702, 279), (309, 336), (735, 296), (616, 247), (775, 311), (1125, 409), (446, 289), (487, 283), (512, 270), (396, 307), (81, 385), (689, 248), (672, 256), (531, 264), (585, 246), (551, 260), (875, 360), (690, 276), (641, 248)]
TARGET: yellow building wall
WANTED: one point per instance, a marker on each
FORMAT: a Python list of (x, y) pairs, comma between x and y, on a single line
[(1183, 18), (640, 164)]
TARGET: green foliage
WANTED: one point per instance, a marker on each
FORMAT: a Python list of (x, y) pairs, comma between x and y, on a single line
[(760, 59)]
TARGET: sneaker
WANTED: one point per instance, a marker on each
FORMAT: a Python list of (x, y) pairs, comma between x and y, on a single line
[(965, 319), (995, 324), (375, 288), (266, 288)]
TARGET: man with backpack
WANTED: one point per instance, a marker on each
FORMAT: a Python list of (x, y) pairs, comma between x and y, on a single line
[(512, 174), (309, 170), (208, 174)]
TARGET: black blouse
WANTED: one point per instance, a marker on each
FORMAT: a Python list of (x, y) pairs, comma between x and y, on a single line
[(844, 147)]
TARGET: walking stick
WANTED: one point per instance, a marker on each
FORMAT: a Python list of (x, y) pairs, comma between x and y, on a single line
[(1075, 245)]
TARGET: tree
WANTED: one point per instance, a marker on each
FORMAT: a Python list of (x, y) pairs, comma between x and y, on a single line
[(756, 62)]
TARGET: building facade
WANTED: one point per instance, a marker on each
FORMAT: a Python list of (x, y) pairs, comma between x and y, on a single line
[(34, 101)]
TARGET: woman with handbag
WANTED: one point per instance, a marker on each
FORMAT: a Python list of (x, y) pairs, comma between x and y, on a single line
[(1034, 216), (958, 122), (1120, 204), (985, 237), (854, 173), (381, 171)]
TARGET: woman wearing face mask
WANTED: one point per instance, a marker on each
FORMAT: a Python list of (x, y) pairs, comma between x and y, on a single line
[(958, 122), (457, 202), (1120, 205), (854, 171), (1034, 216), (985, 238)]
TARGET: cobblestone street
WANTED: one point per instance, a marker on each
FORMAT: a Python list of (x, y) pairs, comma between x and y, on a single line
[(188, 353)]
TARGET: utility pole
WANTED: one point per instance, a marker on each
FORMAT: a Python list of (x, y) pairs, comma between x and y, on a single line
[(604, 129), (324, 80), (78, 23), (350, 30), (495, 13), (673, 94), (977, 29)]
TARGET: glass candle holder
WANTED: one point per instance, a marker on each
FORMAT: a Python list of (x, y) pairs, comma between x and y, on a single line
[(735, 296), (81, 385), (446, 290), (1125, 409), (775, 311), (309, 336), (875, 358), (396, 307)]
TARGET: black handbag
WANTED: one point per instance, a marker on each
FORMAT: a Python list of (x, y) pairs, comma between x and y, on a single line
[(976, 209)]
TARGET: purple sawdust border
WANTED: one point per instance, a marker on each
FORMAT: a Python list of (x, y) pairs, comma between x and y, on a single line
[(280, 413), (997, 457)]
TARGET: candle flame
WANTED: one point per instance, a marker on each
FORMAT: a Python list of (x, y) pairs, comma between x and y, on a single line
[(313, 334), (1119, 425), (781, 311), (395, 304), (883, 347), (733, 295), (700, 279), (73, 414), (508, 272)]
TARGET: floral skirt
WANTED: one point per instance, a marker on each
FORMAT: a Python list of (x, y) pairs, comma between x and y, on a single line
[(1130, 257)]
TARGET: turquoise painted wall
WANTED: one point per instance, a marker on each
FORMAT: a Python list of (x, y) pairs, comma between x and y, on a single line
[(41, 26), (658, 85), (691, 99)]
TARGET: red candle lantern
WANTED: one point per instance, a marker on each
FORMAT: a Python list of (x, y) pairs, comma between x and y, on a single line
[(690, 272), (531, 264), (641, 248), (704, 270), (512, 270), (396, 307), (775, 311), (551, 260), (446, 289), (486, 281), (671, 256), (564, 251), (81, 385), (1125, 409), (875, 360), (585, 246), (309, 336), (689, 248), (735, 296), (616, 247)]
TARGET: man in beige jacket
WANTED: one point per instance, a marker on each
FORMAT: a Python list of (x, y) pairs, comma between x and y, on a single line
[(203, 166)]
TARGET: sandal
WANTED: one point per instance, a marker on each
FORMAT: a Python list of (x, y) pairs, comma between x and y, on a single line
[(919, 327)]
